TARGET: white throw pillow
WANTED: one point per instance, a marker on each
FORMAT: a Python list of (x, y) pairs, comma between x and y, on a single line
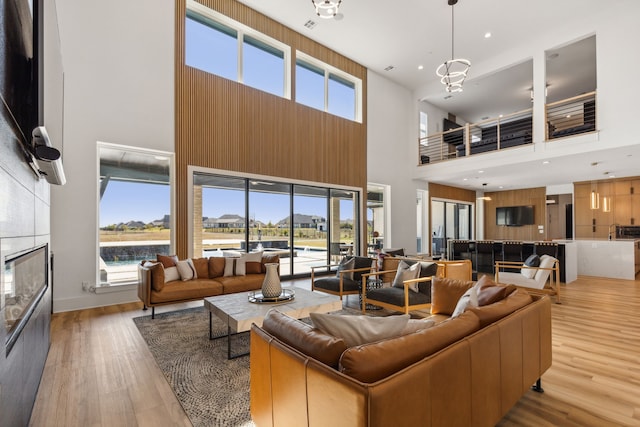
[(186, 269), (407, 272), (468, 299), (241, 263), (527, 272), (228, 266), (171, 274), (415, 325), (357, 330)]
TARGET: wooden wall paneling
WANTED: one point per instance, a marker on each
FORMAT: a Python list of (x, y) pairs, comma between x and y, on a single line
[(225, 125), (524, 197), (451, 193)]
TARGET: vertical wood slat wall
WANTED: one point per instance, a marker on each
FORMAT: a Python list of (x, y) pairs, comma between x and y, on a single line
[(225, 125), (530, 196)]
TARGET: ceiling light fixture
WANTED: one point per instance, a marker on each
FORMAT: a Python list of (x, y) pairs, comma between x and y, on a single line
[(453, 72), (326, 9)]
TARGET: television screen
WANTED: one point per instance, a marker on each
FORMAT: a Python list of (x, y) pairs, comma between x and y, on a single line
[(514, 215)]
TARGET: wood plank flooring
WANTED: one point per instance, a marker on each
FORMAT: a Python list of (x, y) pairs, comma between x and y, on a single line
[(100, 372)]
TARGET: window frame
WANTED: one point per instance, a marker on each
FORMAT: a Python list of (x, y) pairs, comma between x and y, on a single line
[(330, 70), (242, 30)]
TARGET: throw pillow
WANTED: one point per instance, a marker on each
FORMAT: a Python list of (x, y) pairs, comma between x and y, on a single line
[(216, 267), (269, 259), (490, 292), (406, 272), (346, 264), (167, 260), (415, 325), (186, 269), (171, 274), (357, 330), (228, 266), (468, 299), (532, 261)]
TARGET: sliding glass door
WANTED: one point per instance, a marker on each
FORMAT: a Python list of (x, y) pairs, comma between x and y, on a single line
[(449, 220)]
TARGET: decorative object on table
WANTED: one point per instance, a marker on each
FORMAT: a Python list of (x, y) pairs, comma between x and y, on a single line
[(271, 286), (453, 72), (285, 295)]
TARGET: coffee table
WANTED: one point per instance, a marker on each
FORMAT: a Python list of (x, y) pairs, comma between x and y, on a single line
[(239, 313)]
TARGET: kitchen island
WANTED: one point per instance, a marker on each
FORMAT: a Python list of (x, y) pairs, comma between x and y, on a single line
[(615, 259)]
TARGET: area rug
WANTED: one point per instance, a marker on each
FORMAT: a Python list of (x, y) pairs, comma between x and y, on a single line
[(212, 390)]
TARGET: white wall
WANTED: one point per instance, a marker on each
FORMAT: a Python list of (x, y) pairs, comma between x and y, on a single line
[(118, 59), (392, 151)]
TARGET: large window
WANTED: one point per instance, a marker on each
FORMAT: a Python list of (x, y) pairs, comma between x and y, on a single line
[(218, 45), (449, 220), (326, 88), (234, 214), (135, 210)]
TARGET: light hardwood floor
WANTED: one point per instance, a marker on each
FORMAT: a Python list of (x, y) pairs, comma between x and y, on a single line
[(100, 373)]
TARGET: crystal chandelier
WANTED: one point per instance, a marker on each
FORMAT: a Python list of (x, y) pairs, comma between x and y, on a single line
[(326, 9), (453, 72)]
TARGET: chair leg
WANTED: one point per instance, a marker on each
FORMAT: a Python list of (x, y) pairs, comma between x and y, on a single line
[(153, 312), (537, 387)]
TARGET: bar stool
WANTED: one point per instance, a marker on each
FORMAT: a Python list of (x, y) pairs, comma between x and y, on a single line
[(485, 256), (546, 248), (512, 251), (460, 249)]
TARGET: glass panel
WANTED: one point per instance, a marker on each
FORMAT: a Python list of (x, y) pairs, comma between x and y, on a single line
[(310, 227), (375, 218), (135, 206), (343, 210), (438, 245), (269, 220), (220, 203), (211, 46), (342, 97), (309, 85), (464, 222), (420, 219), (263, 66)]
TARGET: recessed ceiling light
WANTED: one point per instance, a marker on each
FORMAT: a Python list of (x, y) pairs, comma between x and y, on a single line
[(420, 67), (501, 115), (487, 35), (568, 116), (501, 186), (464, 179), (612, 176), (480, 171), (546, 162)]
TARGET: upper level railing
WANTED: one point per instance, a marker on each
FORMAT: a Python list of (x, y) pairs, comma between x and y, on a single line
[(564, 118), (488, 135), (571, 116)]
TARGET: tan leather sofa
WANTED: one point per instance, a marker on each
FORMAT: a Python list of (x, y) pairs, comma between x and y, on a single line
[(210, 281), (467, 371)]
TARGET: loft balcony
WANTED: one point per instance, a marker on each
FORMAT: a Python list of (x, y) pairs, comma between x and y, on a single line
[(569, 117)]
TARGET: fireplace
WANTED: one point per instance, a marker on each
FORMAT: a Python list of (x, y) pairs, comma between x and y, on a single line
[(24, 282)]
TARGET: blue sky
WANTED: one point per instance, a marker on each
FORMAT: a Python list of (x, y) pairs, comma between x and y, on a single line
[(130, 201)]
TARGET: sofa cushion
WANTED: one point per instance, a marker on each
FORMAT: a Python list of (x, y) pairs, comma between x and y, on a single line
[(490, 291), (374, 361), (157, 274), (357, 330), (304, 338), (186, 269), (167, 260), (445, 294), (178, 290), (233, 284), (216, 267), (406, 272), (202, 267), (395, 296), (496, 311)]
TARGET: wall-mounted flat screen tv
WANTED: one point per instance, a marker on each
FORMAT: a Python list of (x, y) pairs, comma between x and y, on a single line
[(514, 215)]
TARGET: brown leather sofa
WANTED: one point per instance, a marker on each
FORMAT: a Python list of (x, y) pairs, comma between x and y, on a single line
[(465, 371), (210, 281)]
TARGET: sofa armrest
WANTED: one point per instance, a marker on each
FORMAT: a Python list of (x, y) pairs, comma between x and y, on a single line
[(144, 285)]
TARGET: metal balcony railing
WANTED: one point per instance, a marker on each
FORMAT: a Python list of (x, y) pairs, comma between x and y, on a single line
[(571, 116)]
